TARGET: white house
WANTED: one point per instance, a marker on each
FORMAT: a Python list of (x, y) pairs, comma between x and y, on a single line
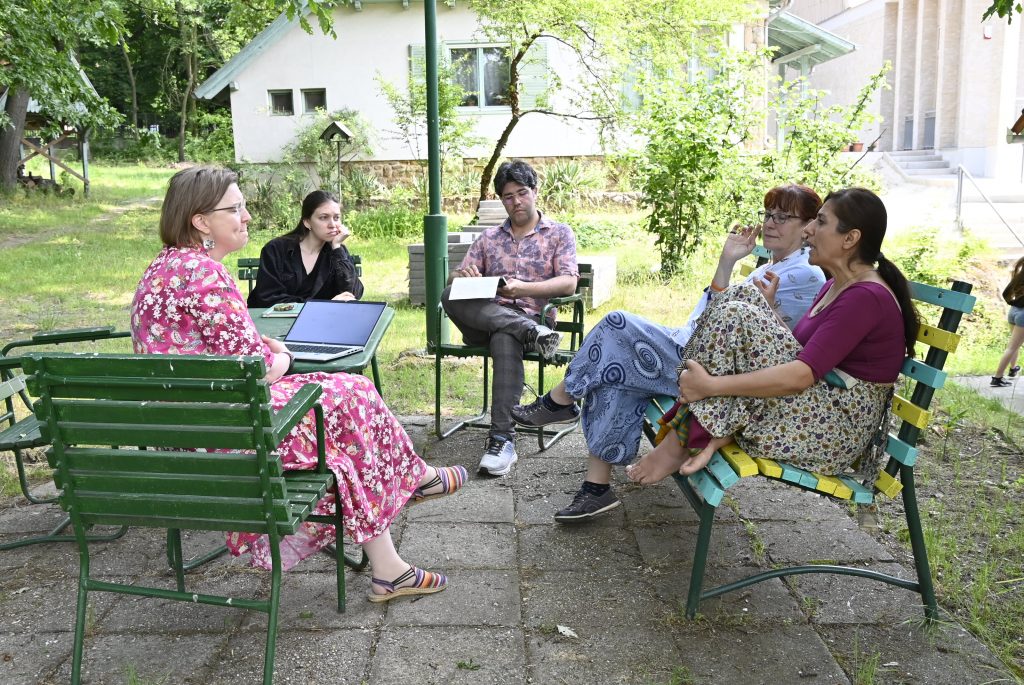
[(957, 83), (284, 74)]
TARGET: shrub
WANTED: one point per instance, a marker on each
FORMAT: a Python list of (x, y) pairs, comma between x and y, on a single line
[(359, 186), (569, 184), (594, 233), (213, 141), (392, 221), (128, 145), (273, 194)]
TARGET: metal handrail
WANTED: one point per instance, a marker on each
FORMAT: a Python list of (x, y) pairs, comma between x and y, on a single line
[(960, 173)]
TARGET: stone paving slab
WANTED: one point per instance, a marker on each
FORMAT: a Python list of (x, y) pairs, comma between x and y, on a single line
[(616, 586)]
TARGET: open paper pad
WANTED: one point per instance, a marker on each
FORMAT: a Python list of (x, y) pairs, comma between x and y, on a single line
[(476, 288)]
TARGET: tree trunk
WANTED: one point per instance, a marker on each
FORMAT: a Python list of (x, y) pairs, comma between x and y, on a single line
[(188, 50), (517, 114), (10, 137), (131, 82)]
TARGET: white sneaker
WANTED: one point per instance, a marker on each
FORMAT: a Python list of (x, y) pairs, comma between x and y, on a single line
[(546, 342), (499, 456)]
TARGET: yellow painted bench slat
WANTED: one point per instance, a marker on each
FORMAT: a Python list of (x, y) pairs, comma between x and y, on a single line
[(936, 337), (739, 460), (888, 485), (910, 412), (838, 487), (768, 467)]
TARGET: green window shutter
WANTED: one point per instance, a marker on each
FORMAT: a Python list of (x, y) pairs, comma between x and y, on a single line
[(417, 64), (533, 77)]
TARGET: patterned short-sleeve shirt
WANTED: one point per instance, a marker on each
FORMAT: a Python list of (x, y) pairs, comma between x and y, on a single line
[(546, 252)]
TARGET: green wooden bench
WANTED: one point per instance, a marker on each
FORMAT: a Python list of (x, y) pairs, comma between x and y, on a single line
[(705, 489), (22, 434), (176, 410), (574, 327)]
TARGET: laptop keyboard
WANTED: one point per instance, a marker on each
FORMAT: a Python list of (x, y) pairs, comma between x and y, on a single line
[(316, 349)]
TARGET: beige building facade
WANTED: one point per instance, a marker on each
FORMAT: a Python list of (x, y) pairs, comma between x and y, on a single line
[(956, 83)]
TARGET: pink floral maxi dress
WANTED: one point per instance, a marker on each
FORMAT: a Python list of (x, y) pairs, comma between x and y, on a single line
[(187, 303)]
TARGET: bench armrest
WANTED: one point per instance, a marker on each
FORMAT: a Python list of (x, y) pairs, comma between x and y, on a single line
[(290, 414)]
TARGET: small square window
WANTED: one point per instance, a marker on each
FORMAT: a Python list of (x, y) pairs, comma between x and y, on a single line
[(281, 103), (313, 99)]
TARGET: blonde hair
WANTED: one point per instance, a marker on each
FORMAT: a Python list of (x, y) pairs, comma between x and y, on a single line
[(191, 191)]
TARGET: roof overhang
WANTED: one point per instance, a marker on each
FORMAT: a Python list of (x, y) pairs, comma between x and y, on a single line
[(799, 42)]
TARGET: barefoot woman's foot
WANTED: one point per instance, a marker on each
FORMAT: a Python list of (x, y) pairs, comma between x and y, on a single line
[(698, 461), (658, 464)]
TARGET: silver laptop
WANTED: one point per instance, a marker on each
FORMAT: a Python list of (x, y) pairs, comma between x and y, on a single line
[(326, 329)]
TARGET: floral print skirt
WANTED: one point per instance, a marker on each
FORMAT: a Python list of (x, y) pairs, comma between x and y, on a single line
[(369, 452), (822, 429)]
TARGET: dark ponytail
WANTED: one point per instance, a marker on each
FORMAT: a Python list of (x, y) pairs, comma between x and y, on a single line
[(861, 209), (1015, 289)]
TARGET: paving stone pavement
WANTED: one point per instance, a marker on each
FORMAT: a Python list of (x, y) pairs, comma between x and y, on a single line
[(617, 583)]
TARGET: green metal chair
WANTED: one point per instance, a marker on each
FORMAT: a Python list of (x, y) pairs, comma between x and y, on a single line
[(573, 326), (22, 434), (705, 489), (207, 435)]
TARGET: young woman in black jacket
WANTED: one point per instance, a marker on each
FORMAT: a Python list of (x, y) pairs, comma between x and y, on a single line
[(309, 262)]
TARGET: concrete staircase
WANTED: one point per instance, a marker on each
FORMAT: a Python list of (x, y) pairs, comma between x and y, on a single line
[(927, 163)]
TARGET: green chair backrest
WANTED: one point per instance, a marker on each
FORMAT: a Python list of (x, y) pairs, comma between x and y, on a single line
[(176, 408)]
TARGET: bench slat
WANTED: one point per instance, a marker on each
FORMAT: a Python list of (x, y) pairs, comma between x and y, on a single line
[(901, 451), (950, 299), (910, 412), (768, 467), (936, 337), (888, 485), (861, 495), (174, 484), (158, 413), (199, 464), (921, 372), (839, 488), (825, 484), (708, 487), (155, 436), (740, 461), (723, 473)]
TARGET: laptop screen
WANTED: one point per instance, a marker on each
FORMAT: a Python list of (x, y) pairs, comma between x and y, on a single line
[(335, 323)]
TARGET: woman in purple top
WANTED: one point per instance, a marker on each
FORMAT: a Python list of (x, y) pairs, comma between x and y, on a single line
[(746, 378)]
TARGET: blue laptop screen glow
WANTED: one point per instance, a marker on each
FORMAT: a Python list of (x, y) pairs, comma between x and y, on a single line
[(335, 323)]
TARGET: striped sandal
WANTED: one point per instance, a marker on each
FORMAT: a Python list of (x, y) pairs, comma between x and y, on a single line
[(423, 583), (450, 478)]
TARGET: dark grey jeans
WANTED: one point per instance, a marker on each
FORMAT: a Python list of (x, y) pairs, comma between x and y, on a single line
[(505, 330)]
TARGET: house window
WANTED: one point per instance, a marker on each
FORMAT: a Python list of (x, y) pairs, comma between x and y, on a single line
[(483, 73), (281, 103), (313, 99)]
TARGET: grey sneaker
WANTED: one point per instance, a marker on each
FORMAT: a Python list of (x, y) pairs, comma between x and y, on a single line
[(586, 506), (499, 456), (536, 414), (547, 341)]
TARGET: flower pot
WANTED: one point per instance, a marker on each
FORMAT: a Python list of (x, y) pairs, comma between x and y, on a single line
[(856, 147)]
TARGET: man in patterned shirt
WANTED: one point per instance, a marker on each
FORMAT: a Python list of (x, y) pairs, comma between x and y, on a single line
[(537, 258)]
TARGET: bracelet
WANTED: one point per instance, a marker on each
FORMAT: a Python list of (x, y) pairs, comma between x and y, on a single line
[(291, 359), (716, 288)]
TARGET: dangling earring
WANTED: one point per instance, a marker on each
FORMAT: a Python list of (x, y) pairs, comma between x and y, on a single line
[(209, 244)]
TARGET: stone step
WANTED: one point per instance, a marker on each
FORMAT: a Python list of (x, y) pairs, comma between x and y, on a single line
[(902, 154), (946, 172), (937, 163)]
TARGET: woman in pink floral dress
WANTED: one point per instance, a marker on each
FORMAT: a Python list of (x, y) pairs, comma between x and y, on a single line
[(187, 303)]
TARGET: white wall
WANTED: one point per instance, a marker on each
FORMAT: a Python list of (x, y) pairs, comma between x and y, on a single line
[(845, 76), (375, 40)]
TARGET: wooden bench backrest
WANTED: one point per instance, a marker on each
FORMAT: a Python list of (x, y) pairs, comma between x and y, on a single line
[(171, 406)]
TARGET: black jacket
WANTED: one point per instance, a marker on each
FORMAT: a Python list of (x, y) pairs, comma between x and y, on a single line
[(282, 277)]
